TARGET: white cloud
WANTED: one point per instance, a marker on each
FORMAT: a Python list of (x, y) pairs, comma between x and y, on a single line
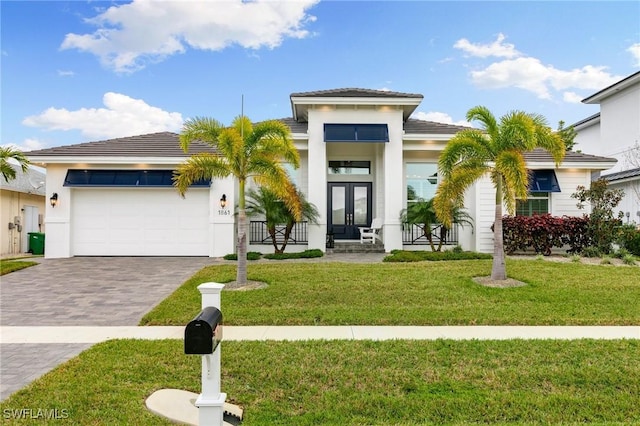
[(634, 49), (123, 116), (497, 48), (531, 74), (572, 97), (63, 73), (130, 36), (439, 117), (28, 144)]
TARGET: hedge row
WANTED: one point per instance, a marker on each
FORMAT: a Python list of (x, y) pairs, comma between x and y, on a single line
[(544, 232)]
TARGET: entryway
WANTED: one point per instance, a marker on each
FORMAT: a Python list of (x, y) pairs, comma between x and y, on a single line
[(349, 207)]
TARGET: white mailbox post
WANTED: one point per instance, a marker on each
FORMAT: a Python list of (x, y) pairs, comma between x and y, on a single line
[(210, 403)]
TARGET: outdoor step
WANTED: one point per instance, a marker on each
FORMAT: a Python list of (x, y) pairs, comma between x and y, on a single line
[(356, 247)]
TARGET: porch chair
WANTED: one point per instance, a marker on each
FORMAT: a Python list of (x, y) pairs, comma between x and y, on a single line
[(370, 234)]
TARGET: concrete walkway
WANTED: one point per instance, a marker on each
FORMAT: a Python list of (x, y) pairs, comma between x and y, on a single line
[(91, 335)]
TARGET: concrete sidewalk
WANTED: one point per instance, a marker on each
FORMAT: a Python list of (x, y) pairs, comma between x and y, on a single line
[(80, 334)]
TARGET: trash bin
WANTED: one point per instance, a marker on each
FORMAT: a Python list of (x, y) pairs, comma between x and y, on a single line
[(36, 242)]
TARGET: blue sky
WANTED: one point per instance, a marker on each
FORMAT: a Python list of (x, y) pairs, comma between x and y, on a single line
[(76, 71)]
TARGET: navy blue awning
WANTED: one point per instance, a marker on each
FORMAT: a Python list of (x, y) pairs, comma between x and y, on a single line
[(356, 133), (128, 178), (543, 181)]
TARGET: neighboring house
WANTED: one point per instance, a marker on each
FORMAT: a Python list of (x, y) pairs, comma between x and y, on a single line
[(362, 157), (629, 182), (23, 206), (615, 132)]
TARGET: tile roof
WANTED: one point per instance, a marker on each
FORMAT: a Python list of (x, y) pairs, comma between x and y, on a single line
[(542, 155), (625, 174), (295, 126), (31, 182), (414, 126), (356, 93), (163, 144)]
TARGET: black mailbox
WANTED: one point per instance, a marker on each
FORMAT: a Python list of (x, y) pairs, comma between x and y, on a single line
[(203, 334)]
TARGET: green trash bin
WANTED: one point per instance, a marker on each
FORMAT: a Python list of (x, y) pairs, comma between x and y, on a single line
[(36, 242)]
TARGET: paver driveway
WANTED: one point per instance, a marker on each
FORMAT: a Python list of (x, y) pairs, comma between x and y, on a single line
[(91, 290), (79, 291)]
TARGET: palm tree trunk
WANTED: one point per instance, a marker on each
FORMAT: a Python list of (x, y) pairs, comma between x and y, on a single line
[(241, 273), (498, 268), (428, 234)]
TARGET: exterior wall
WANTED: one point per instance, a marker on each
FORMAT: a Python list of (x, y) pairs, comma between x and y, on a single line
[(12, 204), (620, 124), (561, 203), (630, 203), (588, 139), (484, 214)]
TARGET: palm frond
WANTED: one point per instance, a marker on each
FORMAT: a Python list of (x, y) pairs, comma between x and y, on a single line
[(198, 167), (201, 129)]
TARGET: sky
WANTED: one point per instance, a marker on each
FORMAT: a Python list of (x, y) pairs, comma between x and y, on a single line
[(81, 71)]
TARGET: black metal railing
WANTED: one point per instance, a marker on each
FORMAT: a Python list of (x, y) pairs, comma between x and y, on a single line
[(258, 233), (414, 234)]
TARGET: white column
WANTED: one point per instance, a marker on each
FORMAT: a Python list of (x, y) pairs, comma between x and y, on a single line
[(317, 172), (57, 243), (210, 403), (393, 191)]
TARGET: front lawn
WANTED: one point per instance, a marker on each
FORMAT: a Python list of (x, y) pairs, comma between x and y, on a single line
[(7, 266), (424, 293), (354, 382)]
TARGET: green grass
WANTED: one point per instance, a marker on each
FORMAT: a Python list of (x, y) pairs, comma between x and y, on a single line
[(357, 382), (11, 265), (426, 293)]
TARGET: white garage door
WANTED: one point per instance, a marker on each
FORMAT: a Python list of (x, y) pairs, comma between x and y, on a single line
[(140, 222)]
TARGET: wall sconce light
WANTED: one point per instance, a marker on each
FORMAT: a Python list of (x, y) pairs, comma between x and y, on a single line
[(223, 201), (54, 199)]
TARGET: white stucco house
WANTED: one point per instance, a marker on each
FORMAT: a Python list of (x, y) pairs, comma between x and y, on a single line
[(615, 132), (362, 157)]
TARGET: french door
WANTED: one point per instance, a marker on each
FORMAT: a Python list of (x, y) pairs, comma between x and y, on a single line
[(349, 207)]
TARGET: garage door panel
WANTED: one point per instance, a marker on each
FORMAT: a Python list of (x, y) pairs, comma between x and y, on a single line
[(140, 222)]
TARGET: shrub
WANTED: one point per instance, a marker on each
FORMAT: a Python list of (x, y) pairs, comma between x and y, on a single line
[(307, 254), (543, 232), (628, 260), (591, 251), (602, 223), (630, 240), (419, 256), (252, 255)]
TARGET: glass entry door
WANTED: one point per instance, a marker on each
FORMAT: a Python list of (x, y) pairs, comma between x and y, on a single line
[(349, 207)]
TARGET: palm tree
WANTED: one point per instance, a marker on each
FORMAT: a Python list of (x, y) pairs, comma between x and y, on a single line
[(496, 149), (265, 202), (422, 213), (7, 153), (245, 151)]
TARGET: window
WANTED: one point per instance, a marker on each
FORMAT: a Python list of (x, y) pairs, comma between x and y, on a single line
[(349, 167), (536, 203), (422, 181), (356, 133)]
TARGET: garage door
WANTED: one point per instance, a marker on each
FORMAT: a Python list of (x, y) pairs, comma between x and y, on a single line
[(139, 222)]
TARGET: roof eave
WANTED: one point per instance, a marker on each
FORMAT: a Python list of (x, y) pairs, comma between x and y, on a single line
[(299, 104), (45, 160), (629, 81)]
